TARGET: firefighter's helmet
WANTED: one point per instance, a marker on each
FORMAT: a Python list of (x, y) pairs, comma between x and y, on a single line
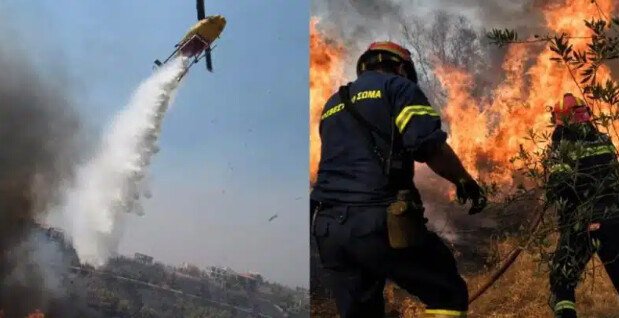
[(570, 109), (379, 52)]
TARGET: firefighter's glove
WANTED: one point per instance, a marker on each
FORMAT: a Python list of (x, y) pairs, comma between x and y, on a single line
[(470, 190)]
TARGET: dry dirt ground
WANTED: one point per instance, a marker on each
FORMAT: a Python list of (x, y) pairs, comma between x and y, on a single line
[(520, 292)]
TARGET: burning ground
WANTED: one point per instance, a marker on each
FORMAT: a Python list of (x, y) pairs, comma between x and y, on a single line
[(489, 99)]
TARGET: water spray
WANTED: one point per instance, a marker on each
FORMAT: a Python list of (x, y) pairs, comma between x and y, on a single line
[(109, 185)]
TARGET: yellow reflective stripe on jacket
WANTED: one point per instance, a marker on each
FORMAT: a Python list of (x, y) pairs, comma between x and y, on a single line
[(560, 167), (564, 304), (443, 313), (409, 111), (593, 151)]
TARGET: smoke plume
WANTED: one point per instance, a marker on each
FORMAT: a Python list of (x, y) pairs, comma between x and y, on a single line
[(43, 172), (39, 142)]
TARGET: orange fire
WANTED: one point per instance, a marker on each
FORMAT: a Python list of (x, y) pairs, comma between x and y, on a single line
[(485, 132), (36, 314), (326, 72)]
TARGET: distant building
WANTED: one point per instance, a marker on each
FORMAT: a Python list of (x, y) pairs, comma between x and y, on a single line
[(248, 281), (217, 272), (56, 237), (144, 259), (55, 234), (256, 276)]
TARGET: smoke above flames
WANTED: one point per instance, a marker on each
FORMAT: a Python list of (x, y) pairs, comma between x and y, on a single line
[(356, 23)]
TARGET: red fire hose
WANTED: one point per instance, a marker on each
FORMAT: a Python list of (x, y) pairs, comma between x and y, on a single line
[(511, 258)]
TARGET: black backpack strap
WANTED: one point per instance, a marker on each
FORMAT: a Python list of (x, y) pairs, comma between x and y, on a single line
[(344, 94)]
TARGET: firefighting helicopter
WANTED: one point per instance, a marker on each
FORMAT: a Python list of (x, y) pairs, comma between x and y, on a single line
[(197, 42)]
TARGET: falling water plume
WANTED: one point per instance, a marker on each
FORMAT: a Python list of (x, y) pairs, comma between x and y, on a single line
[(109, 185)]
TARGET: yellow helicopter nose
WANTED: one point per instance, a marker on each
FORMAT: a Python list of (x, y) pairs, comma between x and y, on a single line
[(220, 21)]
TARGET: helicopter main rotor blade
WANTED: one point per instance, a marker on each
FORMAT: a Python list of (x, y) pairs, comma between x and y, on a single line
[(200, 8)]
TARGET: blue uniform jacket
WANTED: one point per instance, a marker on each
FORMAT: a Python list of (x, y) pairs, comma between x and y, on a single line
[(349, 171)]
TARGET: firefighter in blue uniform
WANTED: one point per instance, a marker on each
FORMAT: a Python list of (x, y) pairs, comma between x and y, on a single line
[(367, 214), (582, 169)]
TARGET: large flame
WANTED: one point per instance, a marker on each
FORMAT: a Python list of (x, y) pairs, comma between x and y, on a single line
[(35, 314), (485, 132), (326, 72)]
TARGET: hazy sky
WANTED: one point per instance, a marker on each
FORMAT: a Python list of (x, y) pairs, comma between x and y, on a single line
[(234, 146)]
